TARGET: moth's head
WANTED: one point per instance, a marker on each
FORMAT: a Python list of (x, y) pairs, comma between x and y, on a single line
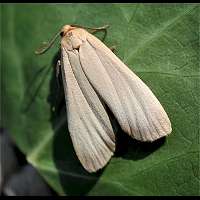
[(65, 29)]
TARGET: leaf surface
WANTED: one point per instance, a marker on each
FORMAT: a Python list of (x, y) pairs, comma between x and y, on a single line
[(159, 43)]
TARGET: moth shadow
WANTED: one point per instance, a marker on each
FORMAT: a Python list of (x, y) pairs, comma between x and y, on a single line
[(131, 149), (33, 87), (73, 178)]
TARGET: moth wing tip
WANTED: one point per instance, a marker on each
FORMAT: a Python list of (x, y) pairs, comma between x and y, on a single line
[(95, 169)]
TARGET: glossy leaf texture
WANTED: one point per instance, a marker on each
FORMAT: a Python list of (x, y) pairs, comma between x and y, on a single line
[(159, 43)]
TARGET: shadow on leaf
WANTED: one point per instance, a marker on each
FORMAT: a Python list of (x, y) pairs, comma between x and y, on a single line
[(33, 88), (129, 148)]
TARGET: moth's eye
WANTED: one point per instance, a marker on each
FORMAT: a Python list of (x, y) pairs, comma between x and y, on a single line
[(62, 33)]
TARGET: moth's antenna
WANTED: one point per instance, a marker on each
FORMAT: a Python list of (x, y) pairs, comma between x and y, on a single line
[(102, 28), (46, 45), (94, 30)]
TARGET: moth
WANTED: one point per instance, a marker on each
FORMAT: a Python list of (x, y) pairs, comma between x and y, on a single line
[(93, 78)]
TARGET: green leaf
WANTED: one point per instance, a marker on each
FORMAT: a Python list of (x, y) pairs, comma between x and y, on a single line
[(159, 43)]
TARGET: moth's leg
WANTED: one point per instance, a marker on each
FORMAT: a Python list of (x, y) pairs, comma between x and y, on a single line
[(58, 68), (59, 95), (58, 65), (112, 48)]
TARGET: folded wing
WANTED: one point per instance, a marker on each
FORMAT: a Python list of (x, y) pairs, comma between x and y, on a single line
[(89, 125), (137, 110)]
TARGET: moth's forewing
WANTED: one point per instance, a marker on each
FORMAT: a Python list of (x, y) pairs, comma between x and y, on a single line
[(89, 125)]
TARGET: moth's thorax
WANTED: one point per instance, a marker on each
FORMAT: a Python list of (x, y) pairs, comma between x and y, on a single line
[(72, 37), (66, 29)]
